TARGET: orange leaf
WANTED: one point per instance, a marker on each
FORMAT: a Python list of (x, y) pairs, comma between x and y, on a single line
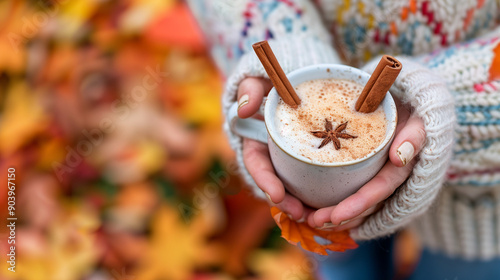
[(188, 37), (495, 65), (302, 233)]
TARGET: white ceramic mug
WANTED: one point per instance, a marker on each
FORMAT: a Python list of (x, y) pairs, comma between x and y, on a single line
[(317, 184)]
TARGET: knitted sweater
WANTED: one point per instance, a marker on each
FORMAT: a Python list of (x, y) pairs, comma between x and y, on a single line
[(453, 193)]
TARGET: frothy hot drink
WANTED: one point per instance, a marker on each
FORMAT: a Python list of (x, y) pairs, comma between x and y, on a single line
[(331, 101)]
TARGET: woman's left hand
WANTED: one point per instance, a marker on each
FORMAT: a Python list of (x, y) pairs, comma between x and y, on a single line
[(354, 210)]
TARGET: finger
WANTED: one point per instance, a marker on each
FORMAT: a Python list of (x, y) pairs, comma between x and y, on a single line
[(375, 191), (403, 113), (322, 217), (348, 225), (257, 161), (307, 212), (251, 91), (408, 142), (294, 208), (356, 222)]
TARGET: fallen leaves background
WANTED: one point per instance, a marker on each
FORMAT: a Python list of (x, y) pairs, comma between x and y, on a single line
[(110, 113)]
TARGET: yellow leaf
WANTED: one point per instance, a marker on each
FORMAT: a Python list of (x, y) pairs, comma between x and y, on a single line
[(14, 33), (151, 156), (177, 246), (195, 88), (68, 250), (289, 263), (143, 12), (74, 14), (73, 243), (23, 118)]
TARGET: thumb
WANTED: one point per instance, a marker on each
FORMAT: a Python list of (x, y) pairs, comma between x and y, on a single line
[(251, 91), (408, 142)]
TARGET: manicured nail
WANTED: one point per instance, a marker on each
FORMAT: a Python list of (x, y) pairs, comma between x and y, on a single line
[(243, 101), (268, 197), (344, 222), (327, 226), (290, 216), (331, 225), (405, 152), (301, 220)]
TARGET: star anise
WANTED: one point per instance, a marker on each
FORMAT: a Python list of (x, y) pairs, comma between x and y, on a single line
[(332, 135)]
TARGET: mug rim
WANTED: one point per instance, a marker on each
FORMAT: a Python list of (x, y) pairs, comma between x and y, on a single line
[(328, 67)]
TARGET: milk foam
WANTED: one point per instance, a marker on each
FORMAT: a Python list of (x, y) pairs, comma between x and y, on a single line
[(332, 99)]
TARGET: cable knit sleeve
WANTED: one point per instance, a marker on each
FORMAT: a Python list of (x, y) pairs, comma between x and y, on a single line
[(464, 221), (427, 94), (454, 94), (293, 28)]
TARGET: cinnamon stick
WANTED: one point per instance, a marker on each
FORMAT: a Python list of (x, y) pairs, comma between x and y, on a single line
[(379, 83), (275, 72)]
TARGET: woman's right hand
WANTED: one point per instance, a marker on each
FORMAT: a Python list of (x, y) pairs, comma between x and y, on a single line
[(251, 92)]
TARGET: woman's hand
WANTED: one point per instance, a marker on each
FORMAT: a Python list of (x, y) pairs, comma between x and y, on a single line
[(251, 92), (351, 212)]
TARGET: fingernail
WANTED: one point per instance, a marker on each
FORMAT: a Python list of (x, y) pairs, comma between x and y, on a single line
[(405, 152), (243, 101), (268, 197), (340, 224), (344, 222), (327, 226), (301, 220)]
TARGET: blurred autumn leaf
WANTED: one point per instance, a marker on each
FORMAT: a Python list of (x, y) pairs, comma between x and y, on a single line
[(118, 178), (23, 117), (177, 247)]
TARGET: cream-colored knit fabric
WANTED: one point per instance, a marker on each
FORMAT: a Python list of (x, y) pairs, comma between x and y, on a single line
[(427, 94), (464, 220)]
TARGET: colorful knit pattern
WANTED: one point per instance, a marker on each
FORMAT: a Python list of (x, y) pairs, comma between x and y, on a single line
[(464, 220), (404, 27), (245, 22), (263, 11), (466, 68)]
